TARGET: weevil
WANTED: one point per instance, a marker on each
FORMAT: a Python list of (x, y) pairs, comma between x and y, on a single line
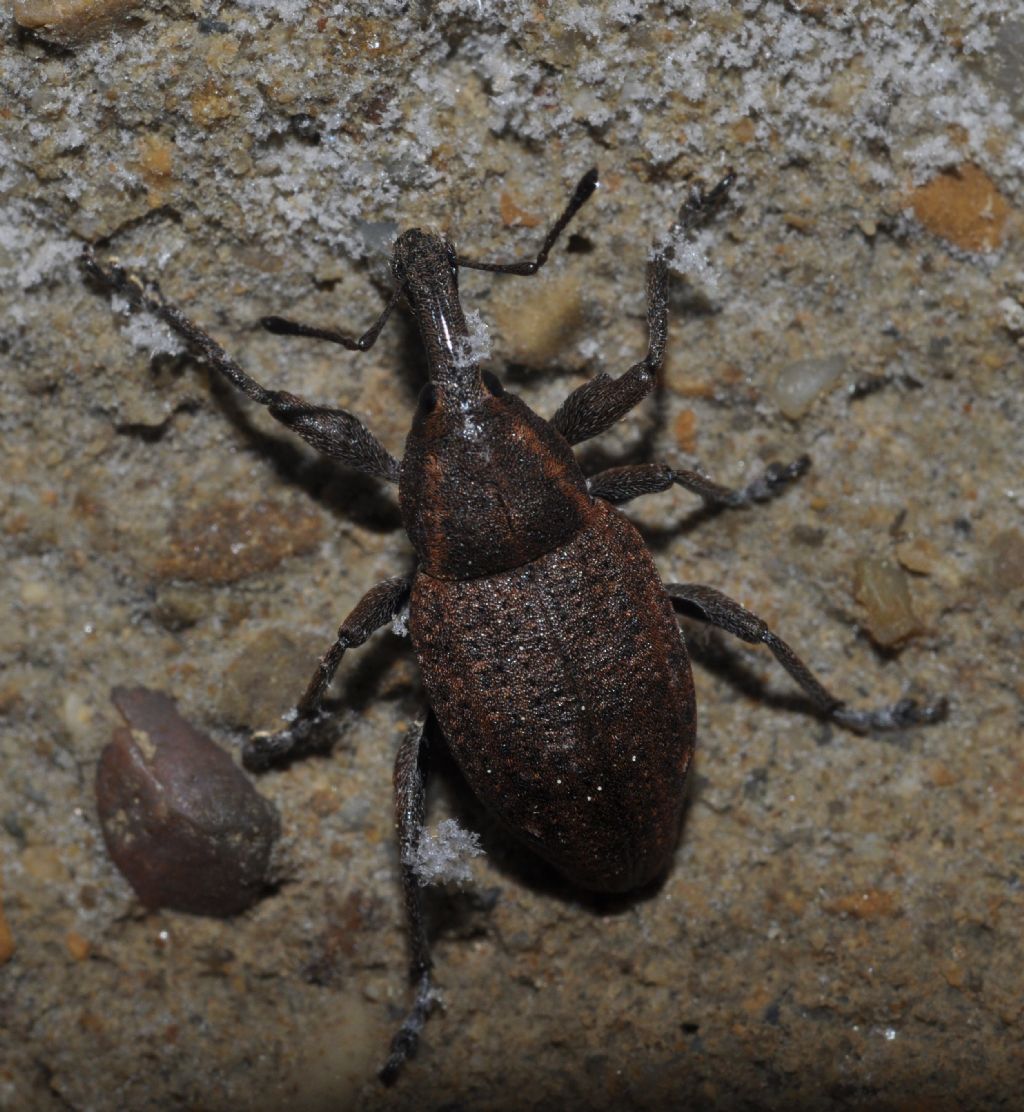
[(551, 658)]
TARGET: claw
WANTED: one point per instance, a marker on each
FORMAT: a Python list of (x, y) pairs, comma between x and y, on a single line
[(264, 749), (905, 712), (776, 477), (407, 1037), (138, 290), (912, 713)]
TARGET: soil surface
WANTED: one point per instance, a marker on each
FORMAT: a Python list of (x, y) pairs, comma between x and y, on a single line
[(842, 923)]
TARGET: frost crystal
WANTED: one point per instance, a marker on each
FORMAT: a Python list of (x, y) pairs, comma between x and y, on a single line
[(400, 625), (442, 856), (477, 346), (688, 255), (147, 332), (30, 254)]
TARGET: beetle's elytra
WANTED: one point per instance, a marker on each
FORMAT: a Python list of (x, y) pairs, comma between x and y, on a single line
[(549, 649)]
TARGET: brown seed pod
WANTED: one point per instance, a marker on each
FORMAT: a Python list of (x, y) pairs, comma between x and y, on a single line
[(181, 821)]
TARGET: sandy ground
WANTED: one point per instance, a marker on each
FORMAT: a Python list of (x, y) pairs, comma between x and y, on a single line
[(842, 924)]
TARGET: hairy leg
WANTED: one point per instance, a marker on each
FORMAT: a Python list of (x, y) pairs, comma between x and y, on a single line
[(719, 610), (380, 605), (598, 404), (622, 484), (333, 432), (410, 808)]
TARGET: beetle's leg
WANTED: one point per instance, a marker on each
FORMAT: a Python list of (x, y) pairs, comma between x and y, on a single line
[(581, 194), (380, 605), (622, 484), (410, 793), (598, 404), (718, 610), (333, 432)]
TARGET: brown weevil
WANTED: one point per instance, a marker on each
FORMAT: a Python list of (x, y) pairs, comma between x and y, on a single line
[(549, 649)]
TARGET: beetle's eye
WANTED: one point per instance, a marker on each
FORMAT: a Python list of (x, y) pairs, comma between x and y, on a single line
[(493, 385), (428, 398)]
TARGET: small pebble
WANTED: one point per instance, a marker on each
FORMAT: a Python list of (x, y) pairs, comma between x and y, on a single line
[(881, 587), (919, 555), (685, 429), (799, 383), (963, 207), (70, 22), (78, 947)]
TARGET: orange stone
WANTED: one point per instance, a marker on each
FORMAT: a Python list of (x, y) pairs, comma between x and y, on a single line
[(744, 130), (964, 207), (210, 104), (156, 156), (869, 904), (78, 947), (513, 214), (685, 429)]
